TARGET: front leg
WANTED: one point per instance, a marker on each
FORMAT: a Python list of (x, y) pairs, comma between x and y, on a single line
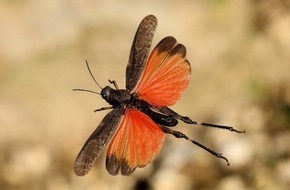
[(103, 108), (114, 83)]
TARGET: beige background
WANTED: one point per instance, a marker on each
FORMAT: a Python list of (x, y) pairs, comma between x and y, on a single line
[(239, 53)]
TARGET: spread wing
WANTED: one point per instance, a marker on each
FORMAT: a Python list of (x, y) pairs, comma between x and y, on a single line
[(97, 141), (140, 51), (166, 74), (137, 141)]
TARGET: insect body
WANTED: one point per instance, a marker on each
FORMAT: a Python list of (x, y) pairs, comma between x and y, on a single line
[(140, 117)]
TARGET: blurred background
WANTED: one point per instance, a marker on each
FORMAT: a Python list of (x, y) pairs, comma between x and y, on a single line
[(239, 53)]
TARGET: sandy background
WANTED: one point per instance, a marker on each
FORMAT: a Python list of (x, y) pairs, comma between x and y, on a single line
[(239, 52)]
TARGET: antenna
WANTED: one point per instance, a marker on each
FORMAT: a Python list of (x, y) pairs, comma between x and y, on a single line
[(92, 76), (85, 90)]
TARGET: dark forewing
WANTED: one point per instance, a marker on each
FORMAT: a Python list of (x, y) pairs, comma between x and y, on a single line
[(97, 141), (140, 51)]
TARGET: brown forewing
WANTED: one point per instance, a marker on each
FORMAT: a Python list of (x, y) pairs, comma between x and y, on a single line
[(97, 141), (140, 51)]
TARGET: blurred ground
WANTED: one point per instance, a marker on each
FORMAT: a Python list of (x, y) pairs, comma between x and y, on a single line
[(239, 52)]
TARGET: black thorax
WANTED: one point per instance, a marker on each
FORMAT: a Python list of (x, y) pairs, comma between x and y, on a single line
[(115, 97)]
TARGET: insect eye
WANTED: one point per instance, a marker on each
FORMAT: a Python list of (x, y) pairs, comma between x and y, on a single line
[(105, 92)]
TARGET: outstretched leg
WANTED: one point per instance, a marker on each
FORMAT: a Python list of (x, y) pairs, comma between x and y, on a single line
[(217, 126), (178, 134), (168, 111)]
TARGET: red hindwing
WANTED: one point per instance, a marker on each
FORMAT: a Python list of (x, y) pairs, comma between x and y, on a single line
[(136, 142), (166, 74)]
